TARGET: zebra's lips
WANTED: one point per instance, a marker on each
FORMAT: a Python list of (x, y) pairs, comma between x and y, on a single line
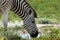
[(34, 35)]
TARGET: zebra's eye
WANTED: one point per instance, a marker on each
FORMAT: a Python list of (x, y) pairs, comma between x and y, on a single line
[(30, 11)]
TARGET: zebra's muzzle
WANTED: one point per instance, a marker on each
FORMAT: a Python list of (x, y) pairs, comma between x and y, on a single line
[(34, 35)]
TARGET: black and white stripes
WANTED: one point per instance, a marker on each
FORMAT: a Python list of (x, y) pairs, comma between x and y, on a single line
[(23, 10)]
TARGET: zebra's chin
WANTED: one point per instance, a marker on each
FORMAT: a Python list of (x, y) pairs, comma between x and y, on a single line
[(34, 35)]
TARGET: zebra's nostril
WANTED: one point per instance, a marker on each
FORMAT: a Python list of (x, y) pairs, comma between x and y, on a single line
[(34, 35)]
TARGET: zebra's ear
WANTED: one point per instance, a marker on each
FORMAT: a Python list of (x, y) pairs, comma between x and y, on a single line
[(35, 14)]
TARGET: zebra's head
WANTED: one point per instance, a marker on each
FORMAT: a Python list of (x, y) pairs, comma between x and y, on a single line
[(30, 24)]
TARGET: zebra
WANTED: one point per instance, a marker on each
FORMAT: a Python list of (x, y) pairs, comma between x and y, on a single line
[(24, 11)]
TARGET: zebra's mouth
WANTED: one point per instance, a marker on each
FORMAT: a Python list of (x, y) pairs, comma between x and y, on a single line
[(34, 35)]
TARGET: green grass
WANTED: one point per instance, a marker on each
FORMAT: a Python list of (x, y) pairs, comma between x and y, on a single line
[(13, 16), (54, 33)]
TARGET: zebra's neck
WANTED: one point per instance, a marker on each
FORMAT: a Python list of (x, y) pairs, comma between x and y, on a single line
[(21, 8)]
